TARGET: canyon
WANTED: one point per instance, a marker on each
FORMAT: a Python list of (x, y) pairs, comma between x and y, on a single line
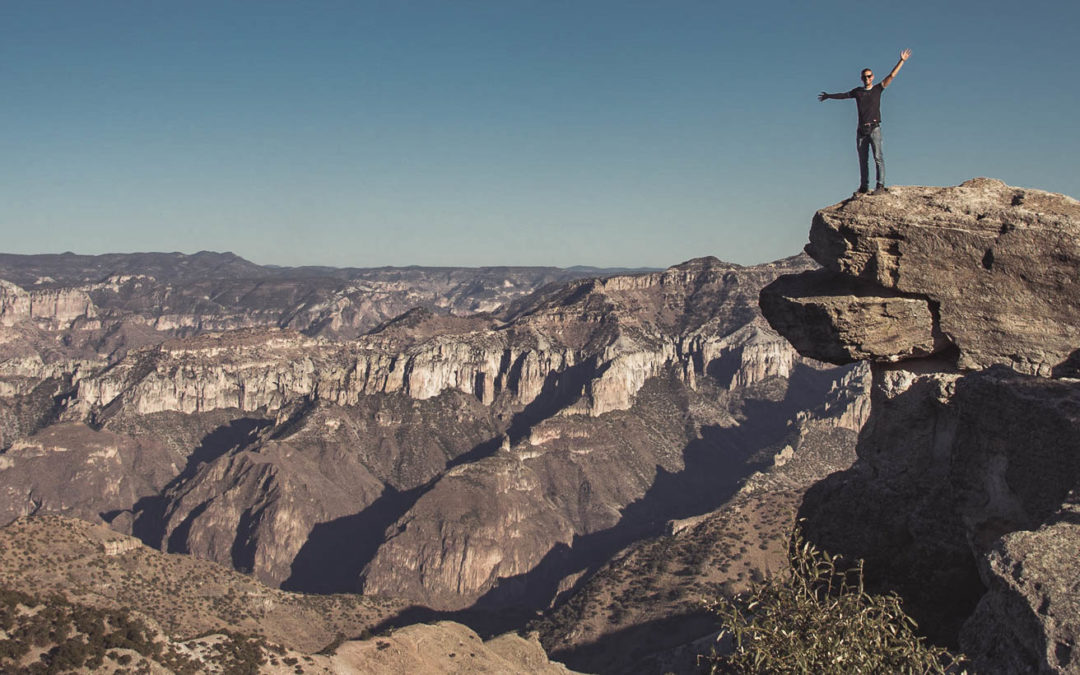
[(431, 457), (477, 455), (585, 456)]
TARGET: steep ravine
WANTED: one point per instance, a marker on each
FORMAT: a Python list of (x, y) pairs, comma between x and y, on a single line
[(450, 460)]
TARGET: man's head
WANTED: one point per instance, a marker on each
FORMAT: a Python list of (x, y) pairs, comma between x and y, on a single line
[(867, 76)]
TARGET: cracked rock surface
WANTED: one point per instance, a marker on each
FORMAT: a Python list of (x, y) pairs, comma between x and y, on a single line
[(993, 265), (830, 318)]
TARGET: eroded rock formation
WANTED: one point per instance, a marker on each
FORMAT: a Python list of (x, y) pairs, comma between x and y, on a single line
[(963, 498), (454, 460), (984, 269)]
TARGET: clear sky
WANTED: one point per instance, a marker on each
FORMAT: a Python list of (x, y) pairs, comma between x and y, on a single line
[(517, 132)]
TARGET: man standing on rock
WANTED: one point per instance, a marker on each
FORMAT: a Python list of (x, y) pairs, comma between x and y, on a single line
[(868, 135)]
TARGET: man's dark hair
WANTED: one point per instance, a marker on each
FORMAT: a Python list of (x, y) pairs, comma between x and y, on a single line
[(865, 71)]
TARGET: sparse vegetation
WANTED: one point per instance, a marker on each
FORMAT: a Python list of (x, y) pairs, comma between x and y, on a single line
[(818, 618), (184, 596), (52, 635)]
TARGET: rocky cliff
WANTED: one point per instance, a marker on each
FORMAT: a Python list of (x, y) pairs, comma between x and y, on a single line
[(616, 332), (56, 308), (983, 270), (963, 497), (67, 317)]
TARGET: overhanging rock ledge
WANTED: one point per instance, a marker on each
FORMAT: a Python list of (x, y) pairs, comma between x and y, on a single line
[(982, 272)]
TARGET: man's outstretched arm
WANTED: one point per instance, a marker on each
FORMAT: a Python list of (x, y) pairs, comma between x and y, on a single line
[(844, 94), (896, 69)]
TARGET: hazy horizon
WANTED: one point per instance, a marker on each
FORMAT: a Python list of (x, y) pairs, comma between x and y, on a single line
[(317, 265)]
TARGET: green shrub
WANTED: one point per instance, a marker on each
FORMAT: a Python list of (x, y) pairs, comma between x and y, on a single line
[(818, 618)]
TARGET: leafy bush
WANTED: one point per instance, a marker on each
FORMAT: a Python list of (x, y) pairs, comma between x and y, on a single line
[(818, 618)]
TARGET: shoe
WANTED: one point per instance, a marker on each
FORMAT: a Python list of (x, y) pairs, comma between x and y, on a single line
[(880, 189), (861, 191)]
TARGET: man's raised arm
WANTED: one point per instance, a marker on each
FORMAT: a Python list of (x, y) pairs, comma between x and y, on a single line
[(896, 69)]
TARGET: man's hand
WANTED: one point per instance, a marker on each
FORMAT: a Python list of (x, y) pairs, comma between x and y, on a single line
[(904, 55), (822, 96)]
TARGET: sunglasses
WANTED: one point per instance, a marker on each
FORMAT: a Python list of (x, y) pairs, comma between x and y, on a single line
[(867, 77)]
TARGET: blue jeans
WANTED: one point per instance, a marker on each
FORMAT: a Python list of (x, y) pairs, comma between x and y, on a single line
[(864, 140)]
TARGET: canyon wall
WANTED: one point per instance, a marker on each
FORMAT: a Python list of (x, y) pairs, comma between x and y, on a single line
[(454, 459)]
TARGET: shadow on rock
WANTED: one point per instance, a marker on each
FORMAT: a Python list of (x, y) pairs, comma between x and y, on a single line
[(940, 478), (336, 553), (331, 559), (149, 512), (714, 467), (659, 646)]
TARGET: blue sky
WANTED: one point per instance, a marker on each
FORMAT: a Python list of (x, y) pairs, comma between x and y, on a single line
[(547, 132)]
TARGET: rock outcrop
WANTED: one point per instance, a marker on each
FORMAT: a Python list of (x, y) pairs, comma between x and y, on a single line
[(948, 466), (1028, 615), (983, 269), (55, 308), (963, 497), (840, 321)]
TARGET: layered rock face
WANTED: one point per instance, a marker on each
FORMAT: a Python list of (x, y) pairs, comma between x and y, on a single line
[(984, 269), (452, 460), (67, 317), (58, 308), (605, 330), (963, 498), (98, 307)]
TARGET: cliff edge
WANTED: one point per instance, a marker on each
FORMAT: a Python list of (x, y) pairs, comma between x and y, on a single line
[(964, 498), (982, 272)]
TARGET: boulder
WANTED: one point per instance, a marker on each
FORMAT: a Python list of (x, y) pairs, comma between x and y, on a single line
[(830, 318)]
